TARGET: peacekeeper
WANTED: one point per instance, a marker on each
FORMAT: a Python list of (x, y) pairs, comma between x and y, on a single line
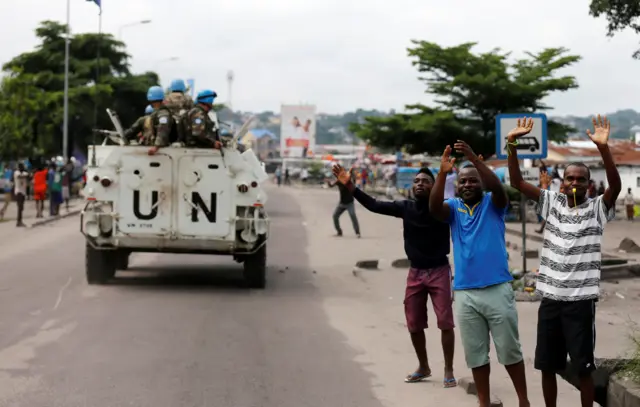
[(163, 129), (141, 128), (176, 100), (203, 132)]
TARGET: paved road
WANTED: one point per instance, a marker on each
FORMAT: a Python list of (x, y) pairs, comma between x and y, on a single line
[(179, 331)]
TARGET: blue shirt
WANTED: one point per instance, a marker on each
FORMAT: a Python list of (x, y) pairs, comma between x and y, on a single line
[(8, 180), (479, 249)]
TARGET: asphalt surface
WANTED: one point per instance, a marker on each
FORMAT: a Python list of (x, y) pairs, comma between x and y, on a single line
[(178, 330)]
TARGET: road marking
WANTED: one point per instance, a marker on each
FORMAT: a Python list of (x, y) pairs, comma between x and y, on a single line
[(59, 300)]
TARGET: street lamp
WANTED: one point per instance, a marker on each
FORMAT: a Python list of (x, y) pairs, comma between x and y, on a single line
[(65, 118), (122, 27)]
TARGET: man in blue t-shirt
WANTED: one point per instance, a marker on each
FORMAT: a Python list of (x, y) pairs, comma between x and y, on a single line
[(484, 300)]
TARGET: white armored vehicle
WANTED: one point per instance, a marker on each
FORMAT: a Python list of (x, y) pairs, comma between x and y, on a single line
[(180, 200)]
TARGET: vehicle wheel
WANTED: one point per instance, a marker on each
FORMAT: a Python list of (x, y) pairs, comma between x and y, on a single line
[(255, 268), (122, 260), (532, 149), (100, 265)]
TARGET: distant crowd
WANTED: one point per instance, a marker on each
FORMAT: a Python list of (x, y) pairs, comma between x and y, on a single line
[(46, 182)]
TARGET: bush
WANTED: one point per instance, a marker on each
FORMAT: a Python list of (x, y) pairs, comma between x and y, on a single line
[(631, 369)]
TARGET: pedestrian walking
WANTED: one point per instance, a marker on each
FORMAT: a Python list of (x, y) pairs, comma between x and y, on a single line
[(54, 182), (426, 243), (629, 203), (347, 204), (484, 300), (7, 190), (40, 190), (570, 261), (21, 183), (279, 175)]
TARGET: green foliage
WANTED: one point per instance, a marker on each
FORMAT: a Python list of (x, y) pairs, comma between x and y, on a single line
[(620, 15), (470, 90), (316, 170), (32, 93), (622, 122), (631, 369)]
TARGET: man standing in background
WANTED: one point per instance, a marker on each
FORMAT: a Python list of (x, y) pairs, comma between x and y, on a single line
[(20, 182), (346, 203), (629, 203)]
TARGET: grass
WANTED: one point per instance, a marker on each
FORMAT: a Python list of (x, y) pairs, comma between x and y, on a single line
[(631, 370)]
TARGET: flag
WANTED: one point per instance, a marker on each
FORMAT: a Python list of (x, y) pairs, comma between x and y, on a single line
[(191, 83), (98, 2)]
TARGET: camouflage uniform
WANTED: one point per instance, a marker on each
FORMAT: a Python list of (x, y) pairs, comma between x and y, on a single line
[(202, 131), (178, 103), (162, 128), (142, 125)]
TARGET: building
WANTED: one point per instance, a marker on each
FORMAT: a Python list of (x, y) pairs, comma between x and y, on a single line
[(263, 143)]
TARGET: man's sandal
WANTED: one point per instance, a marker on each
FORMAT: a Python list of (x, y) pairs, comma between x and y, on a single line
[(449, 383), (416, 377)]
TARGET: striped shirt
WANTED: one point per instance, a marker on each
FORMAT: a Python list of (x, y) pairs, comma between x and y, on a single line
[(571, 252)]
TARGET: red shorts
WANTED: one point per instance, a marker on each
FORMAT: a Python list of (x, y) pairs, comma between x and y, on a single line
[(421, 284), (40, 195)]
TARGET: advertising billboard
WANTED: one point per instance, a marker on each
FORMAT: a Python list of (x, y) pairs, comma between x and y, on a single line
[(297, 131)]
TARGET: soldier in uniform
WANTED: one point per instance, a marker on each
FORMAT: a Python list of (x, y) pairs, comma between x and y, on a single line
[(158, 128), (176, 100), (141, 127), (203, 132)]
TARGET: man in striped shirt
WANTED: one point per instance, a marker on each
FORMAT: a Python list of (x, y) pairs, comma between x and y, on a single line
[(570, 262)]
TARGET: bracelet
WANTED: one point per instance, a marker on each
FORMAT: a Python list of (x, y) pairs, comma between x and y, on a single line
[(515, 143)]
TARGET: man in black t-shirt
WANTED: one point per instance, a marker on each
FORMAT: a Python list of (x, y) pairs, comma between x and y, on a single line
[(346, 204)]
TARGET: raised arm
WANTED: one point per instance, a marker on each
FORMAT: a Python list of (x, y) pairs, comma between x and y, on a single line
[(600, 136), (489, 178), (529, 190), (437, 206), (381, 207)]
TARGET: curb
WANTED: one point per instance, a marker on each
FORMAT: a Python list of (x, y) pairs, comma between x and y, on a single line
[(46, 221)]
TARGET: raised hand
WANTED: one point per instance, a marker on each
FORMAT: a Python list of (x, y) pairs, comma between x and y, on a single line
[(601, 131), (446, 163), (464, 148), (523, 127), (545, 180), (341, 174)]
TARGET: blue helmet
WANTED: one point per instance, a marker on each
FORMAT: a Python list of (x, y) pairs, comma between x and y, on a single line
[(206, 96), (148, 110), (177, 85), (155, 94)]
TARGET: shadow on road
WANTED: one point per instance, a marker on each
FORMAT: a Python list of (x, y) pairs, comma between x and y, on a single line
[(196, 277)]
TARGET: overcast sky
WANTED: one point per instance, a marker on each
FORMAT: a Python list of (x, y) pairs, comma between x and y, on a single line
[(339, 55)]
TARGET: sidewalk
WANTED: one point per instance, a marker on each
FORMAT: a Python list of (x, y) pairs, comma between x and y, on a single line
[(29, 214)]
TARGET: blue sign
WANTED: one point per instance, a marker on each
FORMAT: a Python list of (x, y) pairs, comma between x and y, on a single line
[(532, 146)]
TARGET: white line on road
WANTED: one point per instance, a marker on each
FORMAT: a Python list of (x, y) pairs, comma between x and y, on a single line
[(59, 300)]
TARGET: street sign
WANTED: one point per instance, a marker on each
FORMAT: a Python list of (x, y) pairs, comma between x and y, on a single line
[(530, 175), (532, 146)]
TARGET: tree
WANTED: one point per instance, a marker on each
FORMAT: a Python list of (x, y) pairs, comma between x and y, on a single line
[(470, 90), (35, 80), (620, 14)]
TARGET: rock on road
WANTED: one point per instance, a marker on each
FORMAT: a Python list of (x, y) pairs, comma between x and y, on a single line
[(180, 330)]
